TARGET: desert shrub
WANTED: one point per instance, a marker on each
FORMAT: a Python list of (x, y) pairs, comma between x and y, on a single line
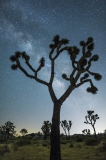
[(91, 141), (80, 139), (22, 142)]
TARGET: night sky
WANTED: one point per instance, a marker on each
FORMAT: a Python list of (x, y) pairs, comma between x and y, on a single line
[(30, 26)]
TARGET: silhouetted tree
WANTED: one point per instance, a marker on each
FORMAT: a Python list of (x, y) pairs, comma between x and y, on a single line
[(23, 131), (91, 119), (68, 128), (78, 76), (7, 129), (64, 126), (46, 128)]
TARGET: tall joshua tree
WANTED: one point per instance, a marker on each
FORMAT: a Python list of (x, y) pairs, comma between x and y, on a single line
[(91, 119), (78, 76), (46, 128)]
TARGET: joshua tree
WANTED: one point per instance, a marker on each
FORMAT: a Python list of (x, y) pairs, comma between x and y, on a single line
[(64, 126), (46, 128), (67, 127), (23, 131), (7, 129), (78, 76), (91, 119)]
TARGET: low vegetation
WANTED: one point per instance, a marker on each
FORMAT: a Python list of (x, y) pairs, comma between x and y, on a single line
[(38, 149)]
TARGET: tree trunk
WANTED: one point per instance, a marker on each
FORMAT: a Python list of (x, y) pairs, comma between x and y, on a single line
[(7, 134), (45, 136), (66, 135), (94, 132), (55, 152)]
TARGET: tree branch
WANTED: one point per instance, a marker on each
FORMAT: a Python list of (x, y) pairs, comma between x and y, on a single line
[(30, 66), (23, 70), (82, 82), (66, 93), (39, 80), (52, 72)]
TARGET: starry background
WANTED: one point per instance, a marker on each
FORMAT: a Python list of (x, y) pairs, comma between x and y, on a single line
[(30, 26)]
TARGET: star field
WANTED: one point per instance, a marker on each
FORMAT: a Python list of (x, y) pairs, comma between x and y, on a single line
[(30, 26)]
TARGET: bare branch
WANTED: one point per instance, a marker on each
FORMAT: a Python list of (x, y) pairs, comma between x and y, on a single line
[(50, 54), (39, 80), (82, 82), (30, 66), (51, 91), (23, 70)]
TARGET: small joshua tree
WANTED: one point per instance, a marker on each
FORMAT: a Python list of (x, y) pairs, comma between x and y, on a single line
[(23, 131), (69, 127), (91, 119), (78, 76), (66, 126), (46, 128)]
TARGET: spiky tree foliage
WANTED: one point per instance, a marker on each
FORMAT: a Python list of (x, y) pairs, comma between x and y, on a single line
[(91, 119), (76, 78), (46, 129), (7, 129), (86, 132), (23, 131)]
